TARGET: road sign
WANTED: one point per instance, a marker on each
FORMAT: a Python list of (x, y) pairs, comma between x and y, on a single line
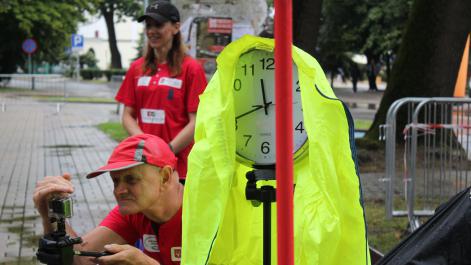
[(77, 42), (29, 46)]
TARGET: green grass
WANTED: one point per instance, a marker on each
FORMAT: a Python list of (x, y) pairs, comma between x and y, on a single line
[(75, 99), (363, 125), (96, 81), (14, 89), (114, 130), (383, 234)]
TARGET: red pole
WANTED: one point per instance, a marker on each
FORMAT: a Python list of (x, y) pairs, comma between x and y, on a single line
[(284, 131)]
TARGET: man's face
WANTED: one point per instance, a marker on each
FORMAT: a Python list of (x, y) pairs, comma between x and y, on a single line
[(136, 189)]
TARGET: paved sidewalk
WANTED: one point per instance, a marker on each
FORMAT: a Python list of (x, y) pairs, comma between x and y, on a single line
[(364, 103), (36, 141)]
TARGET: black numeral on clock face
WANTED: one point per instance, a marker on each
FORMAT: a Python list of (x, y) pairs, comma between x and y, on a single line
[(248, 136), (237, 84), (265, 148), (300, 127), (267, 63), (298, 88), (250, 68)]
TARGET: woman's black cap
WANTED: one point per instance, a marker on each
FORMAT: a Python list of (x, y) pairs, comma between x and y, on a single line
[(161, 11)]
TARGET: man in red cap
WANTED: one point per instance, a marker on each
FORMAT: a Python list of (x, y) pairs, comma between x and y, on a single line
[(149, 197)]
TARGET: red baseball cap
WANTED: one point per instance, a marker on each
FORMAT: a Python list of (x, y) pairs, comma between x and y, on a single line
[(137, 150)]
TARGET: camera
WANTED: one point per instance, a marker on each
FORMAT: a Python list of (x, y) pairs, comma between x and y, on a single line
[(57, 247), (60, 208)]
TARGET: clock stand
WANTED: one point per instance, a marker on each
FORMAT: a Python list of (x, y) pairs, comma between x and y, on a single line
[(266, 195)]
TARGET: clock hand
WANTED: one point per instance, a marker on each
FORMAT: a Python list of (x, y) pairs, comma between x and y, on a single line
[(255, 108), (265, 103)]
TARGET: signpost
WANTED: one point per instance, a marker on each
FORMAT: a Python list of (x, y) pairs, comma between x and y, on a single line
[(77, 45), (77, 42), (29, 46)]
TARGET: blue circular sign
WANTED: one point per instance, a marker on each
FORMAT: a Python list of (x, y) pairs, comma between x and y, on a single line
[(29, 46)]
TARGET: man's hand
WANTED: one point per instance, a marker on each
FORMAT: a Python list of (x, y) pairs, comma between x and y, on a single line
[(125, 254), (49, 186)]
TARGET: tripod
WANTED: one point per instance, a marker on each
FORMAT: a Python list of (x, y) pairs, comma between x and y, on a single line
[(57, 247), (266, 195)]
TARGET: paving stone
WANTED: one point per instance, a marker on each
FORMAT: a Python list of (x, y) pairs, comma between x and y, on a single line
[(36, 141)]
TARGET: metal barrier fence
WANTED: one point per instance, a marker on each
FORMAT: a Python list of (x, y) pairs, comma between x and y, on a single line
[(436, 155), (52, 83), (16, 86), (115, 84)]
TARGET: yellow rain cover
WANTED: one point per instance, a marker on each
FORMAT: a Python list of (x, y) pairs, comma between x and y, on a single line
[(221, 227)]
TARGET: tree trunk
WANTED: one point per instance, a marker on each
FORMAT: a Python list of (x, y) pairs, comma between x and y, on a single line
[(306, 23), (388, 67), (429, 56), (108, 14)]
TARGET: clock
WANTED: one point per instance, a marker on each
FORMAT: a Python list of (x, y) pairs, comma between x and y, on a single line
[(254, 105)]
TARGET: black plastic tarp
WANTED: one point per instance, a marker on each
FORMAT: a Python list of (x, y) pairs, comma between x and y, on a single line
[(444, 239)]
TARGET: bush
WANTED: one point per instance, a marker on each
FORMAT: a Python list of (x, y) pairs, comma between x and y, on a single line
[(69, 73), (111, 72), (91, 73)]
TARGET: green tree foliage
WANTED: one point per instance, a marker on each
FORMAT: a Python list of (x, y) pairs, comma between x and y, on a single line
[(50, 23), (370, 27), (339, 34), (382, 25), (114, 11), (89, 59), (429, 57)]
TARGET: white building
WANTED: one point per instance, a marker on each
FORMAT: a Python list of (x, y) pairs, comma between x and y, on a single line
[(96, 36)]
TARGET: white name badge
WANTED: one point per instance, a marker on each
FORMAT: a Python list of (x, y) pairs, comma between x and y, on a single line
[(143, 81), (173, 82), (150, 243), (153, 116)]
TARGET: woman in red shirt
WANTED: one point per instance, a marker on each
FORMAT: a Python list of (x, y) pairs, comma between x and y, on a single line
[(160, 91)]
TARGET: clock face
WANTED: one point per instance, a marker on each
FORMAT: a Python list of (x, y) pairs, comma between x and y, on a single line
[(254, 102)]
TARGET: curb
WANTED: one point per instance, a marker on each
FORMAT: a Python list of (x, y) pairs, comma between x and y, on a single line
[(367, 105)]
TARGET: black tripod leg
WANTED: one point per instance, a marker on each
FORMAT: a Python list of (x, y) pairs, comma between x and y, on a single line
[(267, 233)]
